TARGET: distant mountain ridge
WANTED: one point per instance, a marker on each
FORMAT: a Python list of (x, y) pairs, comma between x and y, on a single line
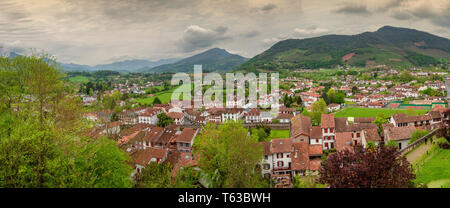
[(387, 46), (214, 59), (134, 65)]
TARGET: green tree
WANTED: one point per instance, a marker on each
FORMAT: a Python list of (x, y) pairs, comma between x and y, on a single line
[(307, 182), (379, 121), (339, 98), (187, 177), (260, 133), (417, 134), (43, 142), (330, 94), (157, 101), (299, 100), (228, 156), (164, 120), (392, 143), (354, 90), (317, 109), (154, 175)]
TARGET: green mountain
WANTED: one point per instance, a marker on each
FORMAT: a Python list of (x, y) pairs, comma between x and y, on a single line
[(215, 59), (387, 46)]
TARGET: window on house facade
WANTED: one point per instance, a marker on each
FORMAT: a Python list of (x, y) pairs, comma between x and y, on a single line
[(280, 164)]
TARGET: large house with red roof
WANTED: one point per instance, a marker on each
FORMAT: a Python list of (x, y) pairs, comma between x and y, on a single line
[(288, 157)]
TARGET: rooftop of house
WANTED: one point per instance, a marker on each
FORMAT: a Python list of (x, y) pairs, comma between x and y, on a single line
[(403, 118), (343, 141), (327, 121), (316, 132), (300, 124), (372, 135), (300, 156), (315, 150), (186, 136), (281, 146), (284, 116), (175, 115), (401, 133), (144, 156)]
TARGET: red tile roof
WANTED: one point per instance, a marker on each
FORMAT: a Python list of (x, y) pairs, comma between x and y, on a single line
[(315, 149), (316, 132), (300, 156), (175, 115), (143, 156), (372, 135), (187, 135), (343, 141), (284, 116), (281, 146), (300, 124), (314, 164), (327, 121), (401, 133)]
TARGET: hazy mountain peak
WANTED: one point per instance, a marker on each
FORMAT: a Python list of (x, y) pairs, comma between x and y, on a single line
[(215, 59)]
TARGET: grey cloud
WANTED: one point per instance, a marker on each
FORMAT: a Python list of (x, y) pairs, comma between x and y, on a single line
[(391, 5), (354, 9), (196, 37), (251, 34), (269, 7), (437, 17), (402, 15)]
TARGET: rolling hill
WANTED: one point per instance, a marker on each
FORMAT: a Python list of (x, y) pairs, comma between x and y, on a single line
[(215, 59), (387, 46)]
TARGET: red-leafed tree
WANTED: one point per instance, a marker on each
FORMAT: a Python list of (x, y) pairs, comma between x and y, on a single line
[(376, 167)]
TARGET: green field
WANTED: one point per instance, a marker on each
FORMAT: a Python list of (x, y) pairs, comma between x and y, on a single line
[(79, 79), (277, 134), (164, 96), (372, 112), (435, 170)]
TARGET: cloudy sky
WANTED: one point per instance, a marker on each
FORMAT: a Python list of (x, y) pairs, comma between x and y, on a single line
[(103, 31)]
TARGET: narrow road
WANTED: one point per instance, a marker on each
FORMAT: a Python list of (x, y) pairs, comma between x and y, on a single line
[(417, 153)]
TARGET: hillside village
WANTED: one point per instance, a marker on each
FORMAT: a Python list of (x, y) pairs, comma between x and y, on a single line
[(137, 132)]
